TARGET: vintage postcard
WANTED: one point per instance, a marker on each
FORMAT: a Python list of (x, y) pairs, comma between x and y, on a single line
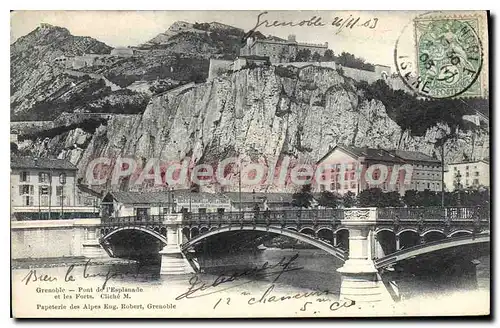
[(249, 164)]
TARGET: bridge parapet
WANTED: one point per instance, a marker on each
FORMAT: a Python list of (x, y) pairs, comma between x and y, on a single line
[(285, 217)]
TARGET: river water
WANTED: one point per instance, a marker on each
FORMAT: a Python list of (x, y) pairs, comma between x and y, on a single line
[(288, 272)]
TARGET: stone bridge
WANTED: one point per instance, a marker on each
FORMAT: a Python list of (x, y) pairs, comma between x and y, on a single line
[(366, 239)]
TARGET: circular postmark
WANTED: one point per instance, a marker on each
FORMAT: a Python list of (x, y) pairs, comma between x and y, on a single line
[(441, 57)]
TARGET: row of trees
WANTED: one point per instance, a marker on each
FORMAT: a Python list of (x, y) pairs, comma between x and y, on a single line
[(408, 110), (375, 197), (344, 59)]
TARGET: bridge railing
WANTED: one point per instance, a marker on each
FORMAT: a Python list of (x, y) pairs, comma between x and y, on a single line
[(314, 217), (440, 214), (132, 220), (266, 217)]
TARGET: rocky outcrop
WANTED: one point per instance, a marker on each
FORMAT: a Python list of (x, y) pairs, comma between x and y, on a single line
[(264, 114)]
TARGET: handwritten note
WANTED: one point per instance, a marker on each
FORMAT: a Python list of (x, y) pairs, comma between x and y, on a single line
[(338, 23)]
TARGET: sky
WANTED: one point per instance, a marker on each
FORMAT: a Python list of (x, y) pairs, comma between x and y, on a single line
[(130, 28)]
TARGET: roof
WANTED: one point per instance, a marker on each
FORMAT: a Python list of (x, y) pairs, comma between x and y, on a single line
[(31, 162), (414, 156), (88, 190), (248, 197), (486, 161), (368, 153), (383, 155), (255, 57), (162, 197)]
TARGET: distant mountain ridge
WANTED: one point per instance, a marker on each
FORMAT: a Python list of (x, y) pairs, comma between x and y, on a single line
[(179, 55)]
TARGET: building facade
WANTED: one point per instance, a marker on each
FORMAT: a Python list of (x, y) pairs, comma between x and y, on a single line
[(466, 175), (354, 169), (279, 51), (44, 188), (157, 203)]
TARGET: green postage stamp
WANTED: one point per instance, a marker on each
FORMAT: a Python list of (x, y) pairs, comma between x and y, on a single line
[(450, 55)]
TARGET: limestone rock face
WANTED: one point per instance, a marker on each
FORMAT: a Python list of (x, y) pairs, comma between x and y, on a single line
[(262, 115)]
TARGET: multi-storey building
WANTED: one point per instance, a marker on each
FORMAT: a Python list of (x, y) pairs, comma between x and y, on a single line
[(355, 169), (279, 51), (427, 171), (465, 175), (46, 188)]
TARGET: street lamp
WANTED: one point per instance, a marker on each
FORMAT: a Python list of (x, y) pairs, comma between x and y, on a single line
[(62, 181), (458, 186)]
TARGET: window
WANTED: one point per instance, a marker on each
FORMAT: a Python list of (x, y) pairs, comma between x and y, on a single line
[(44, 190), (353, 185), (332, 186), (62, 178), (62, 200), (43, 177), (322, 187), (476, 174), (455, 168), (59, 190), (428, 185), (24, 176), (467, 174), (26, 190), (476, 181), (467, 167), (44, 200), (27, 201)]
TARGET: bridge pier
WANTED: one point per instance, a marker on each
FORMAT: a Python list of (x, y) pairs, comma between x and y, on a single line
[(361, 281), (173, 261)]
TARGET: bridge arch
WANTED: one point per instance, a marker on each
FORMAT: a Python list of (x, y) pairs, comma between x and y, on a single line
[(433, 231), (455, 233), (433, 235), (326, 234), (408, 238), (153, 233), (430, 247), (384, 229), (337, 252), (340, 229), (308, 231), (386, 241), (407, 230), (324, 228)]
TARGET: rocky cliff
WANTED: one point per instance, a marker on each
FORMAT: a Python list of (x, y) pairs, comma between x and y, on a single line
[(264, 114)]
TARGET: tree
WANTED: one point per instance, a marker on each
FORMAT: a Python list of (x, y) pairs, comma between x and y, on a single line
[(328, 55), (303, 55), (303, 198), (349, 199), (316, 57), (328, 199), (14, 149), (411, 198), (376, 197)]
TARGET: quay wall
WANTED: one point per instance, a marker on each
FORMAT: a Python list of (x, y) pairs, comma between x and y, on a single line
[(55, 238)]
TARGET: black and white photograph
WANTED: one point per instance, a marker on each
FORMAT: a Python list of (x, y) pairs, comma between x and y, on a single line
[(249, 164)]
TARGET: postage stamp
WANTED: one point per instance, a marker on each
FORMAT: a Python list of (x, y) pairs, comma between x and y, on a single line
[(249, 164), (449, 56)]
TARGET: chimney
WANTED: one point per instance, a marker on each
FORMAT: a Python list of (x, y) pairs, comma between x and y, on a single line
[(291, 38)]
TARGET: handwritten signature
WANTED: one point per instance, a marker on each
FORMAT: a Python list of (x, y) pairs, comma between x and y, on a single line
[(316, 21), (319, 296), (70, 276), (196, 286)]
